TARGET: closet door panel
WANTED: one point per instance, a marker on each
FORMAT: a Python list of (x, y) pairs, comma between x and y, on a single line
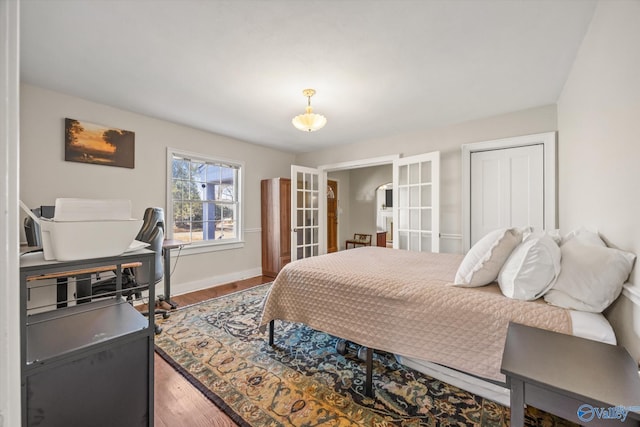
[(507, 189)]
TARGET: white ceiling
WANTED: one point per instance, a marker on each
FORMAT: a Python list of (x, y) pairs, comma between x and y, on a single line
[(238, 67)]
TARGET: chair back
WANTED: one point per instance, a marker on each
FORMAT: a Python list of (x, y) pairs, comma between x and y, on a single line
[(152, 232), (364, 239)]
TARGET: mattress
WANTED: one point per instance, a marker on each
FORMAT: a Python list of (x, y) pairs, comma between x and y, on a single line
[(593, 326)]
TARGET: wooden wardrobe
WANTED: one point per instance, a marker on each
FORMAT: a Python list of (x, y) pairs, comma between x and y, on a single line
[(276, 224)]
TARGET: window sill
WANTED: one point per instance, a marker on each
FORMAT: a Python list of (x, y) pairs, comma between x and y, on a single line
[(204, 247)]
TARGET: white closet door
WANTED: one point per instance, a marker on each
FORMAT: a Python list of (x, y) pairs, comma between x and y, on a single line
[(306, 199), (416, 201), (507, 189)]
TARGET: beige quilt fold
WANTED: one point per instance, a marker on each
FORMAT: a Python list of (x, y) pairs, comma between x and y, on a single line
[(403, 302)]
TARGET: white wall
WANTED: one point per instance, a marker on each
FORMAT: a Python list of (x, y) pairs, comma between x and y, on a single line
[(10, 412), (599, 145), (447, 140), (45, 175)]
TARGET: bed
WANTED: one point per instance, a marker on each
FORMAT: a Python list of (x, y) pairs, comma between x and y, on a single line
[(405, 303), (592, 326)]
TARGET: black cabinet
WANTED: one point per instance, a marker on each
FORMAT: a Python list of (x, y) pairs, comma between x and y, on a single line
[(85, 364)]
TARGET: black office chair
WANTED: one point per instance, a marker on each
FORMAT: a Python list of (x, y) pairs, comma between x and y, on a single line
[(136, 280)]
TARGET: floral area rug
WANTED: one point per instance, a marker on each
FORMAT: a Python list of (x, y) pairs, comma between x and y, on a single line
[(303, 380)]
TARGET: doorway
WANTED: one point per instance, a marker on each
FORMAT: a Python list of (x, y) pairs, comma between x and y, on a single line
[(343, 208), (384, 212), (415, 201), (332, 216)]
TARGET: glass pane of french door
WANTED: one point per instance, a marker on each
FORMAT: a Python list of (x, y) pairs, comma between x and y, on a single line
[(416, 185)]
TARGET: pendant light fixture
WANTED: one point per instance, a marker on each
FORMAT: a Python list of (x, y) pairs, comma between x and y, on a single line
[(309, 121)]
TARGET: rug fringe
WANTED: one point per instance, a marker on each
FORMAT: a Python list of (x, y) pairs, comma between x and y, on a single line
[(214, 398)]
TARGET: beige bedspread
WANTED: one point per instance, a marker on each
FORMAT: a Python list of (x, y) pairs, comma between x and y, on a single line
[(402, 302)]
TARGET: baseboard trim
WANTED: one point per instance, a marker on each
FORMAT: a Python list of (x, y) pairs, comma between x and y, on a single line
[(210, 282)]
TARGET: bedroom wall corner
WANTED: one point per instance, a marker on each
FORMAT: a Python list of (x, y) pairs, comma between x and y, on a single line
[(598, 146)]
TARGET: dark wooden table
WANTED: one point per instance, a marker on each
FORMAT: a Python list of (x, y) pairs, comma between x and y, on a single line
[(581, 380)]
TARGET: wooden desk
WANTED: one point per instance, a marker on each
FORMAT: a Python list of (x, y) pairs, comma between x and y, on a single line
[(167, 245), (83, 271), (83, 291), (569, 376)]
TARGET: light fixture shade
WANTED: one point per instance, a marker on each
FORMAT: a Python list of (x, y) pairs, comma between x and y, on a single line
[(309, 121)]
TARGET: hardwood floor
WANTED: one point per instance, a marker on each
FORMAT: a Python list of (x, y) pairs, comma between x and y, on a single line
[(177, 402)]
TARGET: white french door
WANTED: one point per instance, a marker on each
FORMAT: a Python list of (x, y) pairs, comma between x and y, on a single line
[(416, 197), (308, 190)]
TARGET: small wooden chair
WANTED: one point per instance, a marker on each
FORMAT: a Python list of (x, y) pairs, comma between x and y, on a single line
[(359, 239)]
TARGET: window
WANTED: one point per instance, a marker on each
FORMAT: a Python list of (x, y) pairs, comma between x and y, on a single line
[(204, 199)]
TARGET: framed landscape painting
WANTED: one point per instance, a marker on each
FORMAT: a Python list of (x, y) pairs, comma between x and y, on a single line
[(91, 143)]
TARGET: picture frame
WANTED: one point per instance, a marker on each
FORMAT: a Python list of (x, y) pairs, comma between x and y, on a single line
[(87, 142)]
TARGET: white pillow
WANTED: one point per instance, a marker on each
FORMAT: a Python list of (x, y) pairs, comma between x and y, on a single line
[(553, 234), (531, 269), (585, 236), (484, 260), (591, 278)]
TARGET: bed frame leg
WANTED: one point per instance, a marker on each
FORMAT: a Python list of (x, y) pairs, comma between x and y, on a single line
[(271, 327), (368, 387)]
